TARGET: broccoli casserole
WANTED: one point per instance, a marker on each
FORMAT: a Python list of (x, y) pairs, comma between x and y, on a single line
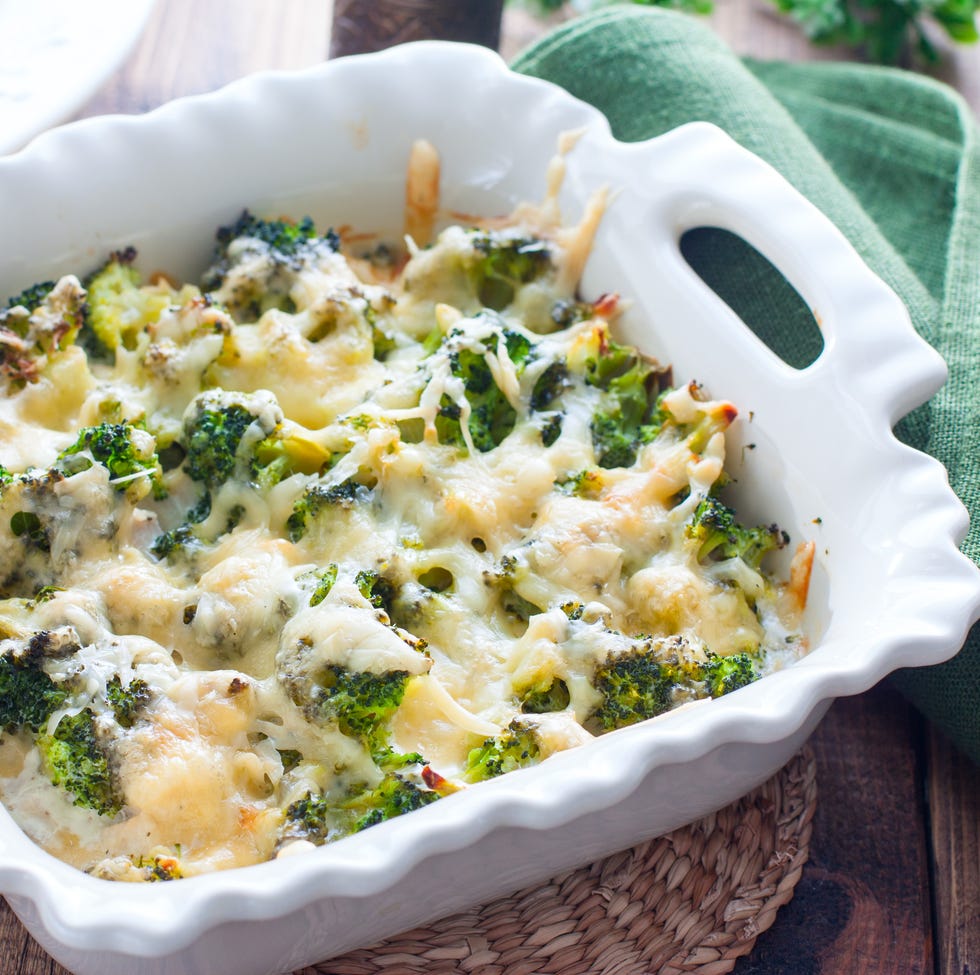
[(345, 529)]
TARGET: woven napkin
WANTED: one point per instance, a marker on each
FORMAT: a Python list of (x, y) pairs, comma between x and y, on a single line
[(891, 157)]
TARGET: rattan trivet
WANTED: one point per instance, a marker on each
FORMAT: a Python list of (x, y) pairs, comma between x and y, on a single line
[(693, 901)]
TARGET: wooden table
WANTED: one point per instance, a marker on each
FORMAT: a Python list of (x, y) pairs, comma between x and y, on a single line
[(893, 884)]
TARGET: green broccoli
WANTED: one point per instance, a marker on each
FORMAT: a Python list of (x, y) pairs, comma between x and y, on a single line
[(324, 583), (313, 818), (376, 589), (631, 413), (256, 260), (318, 497), (123, 449), (75, 758), (393, 797), (565, 313), (553, 696), (28, 696), (492, 417), (505, 262), (212, 440), (322, 819), (549, 385), (286, 239), (128, 702), (653, 675), (360, 703), (718, 535), (722, 675), (28, 527), (118, 307), (183, 540), (515, 747), (634, 686), (33, 297)]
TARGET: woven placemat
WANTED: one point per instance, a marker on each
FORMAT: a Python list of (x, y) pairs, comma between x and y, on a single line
[(692, 901)]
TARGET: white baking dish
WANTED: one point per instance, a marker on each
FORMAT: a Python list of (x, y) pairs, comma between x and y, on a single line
[(890, 588)]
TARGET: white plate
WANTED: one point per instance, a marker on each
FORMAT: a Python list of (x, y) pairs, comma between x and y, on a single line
[(55, 54)]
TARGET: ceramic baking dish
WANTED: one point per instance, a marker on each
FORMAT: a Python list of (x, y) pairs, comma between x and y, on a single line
[(889, 588)]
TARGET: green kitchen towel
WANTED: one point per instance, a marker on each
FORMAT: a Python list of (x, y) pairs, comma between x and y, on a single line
[(891, 157)]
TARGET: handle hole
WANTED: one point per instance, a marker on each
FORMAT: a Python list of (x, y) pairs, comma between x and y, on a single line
[(756, 291)]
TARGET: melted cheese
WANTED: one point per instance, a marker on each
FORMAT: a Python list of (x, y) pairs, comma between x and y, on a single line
[(505, 565)]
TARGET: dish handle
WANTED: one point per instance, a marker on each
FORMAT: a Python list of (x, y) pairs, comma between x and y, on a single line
[(871, 352)]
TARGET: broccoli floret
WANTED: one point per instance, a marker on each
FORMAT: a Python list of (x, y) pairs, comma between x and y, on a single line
[(313, 818), (119, 308), (718, 535), (393, 797), (324, 583), (230, 434), (376, 589), (318, 497), (550, 385), (212, 439), (285, 238), (653, 675), (181, 540), (505, 263), (583, 484), (27, 526), (38, 324), (631, 413), (361, 703), (33, 297), (553, 696), (75, 759), (321, 819), (634, 686), (123, 449), (515, 747), (722, 675), (565, 313), (128, 702), (28, 696), (256, 260), (551, 428), (184, 539), (491, 417)]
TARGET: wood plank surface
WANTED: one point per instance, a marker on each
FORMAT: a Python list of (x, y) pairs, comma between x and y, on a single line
[(893, 886), (954, 812)]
